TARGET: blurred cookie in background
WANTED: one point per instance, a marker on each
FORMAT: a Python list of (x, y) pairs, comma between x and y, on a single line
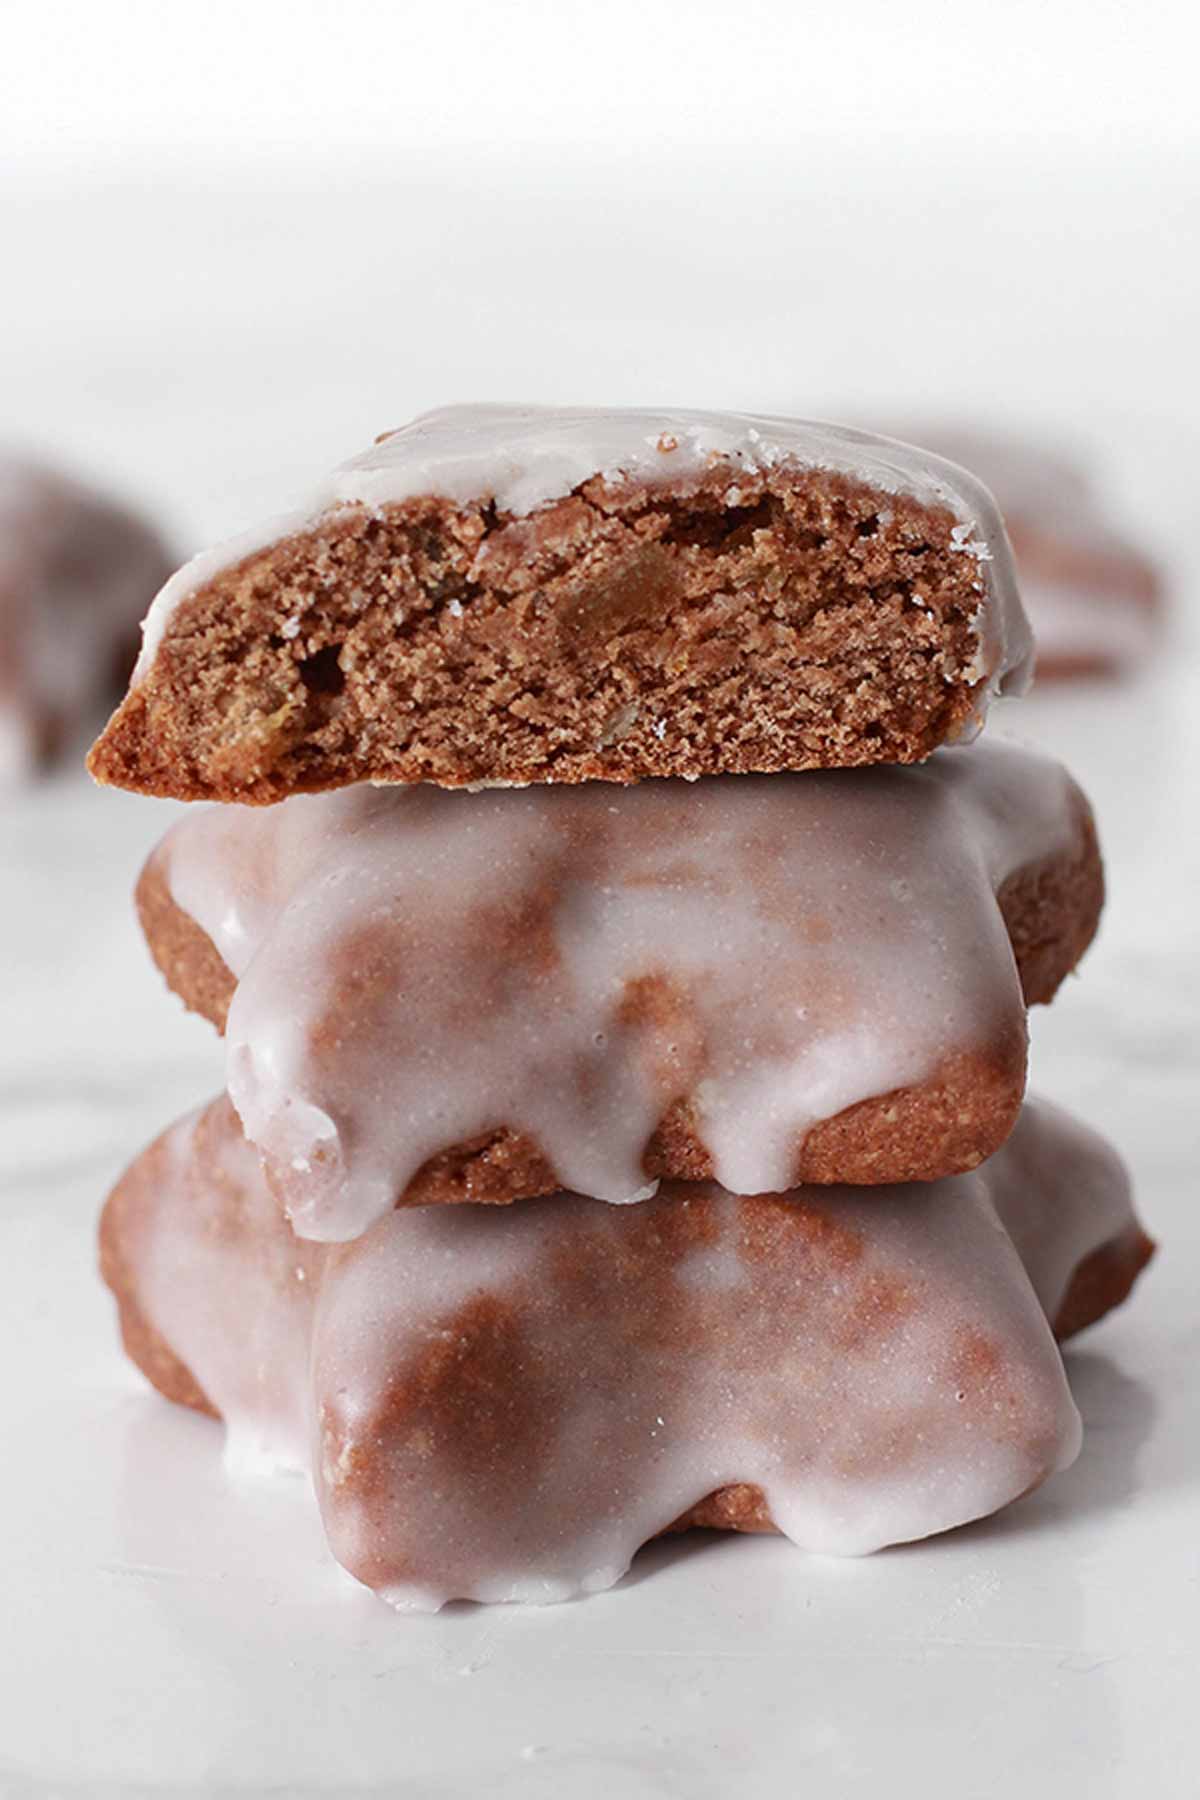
[(77, 573), (1096, 601)]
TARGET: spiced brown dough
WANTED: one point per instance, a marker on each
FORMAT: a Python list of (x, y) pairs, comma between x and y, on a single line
[(623, 631), (949, 1122)]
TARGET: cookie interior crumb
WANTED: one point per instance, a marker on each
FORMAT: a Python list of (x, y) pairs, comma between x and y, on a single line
[(798, 620)]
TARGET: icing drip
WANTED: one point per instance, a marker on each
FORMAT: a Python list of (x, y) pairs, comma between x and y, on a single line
[(523, 458), (418, 967), (231, 1286), (503, 1404)]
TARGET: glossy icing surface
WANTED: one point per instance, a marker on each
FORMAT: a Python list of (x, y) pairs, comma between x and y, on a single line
[(523, 458), (417, 967), (504, 1404)]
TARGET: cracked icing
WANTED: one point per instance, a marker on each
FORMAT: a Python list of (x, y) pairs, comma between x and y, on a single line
[(419, 967)]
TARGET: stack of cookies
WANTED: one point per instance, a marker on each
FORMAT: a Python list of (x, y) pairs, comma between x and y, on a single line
[(622, 957)]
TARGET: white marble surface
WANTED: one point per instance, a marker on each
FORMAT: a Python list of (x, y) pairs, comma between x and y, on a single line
[(163, 1633)]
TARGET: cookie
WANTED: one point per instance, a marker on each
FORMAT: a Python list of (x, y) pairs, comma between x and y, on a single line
[(76, 574), (1095, 600), (510, 595), (430, 996), (850, 1368)]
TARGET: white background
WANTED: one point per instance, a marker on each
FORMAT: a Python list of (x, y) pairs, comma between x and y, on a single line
[(320, 76), (291, 225), (236, 241)]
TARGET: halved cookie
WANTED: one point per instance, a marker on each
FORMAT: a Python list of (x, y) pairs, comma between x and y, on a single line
[(512, 595)]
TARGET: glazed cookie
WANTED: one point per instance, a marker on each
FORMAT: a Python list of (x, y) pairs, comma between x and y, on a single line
[(430, 996), (1094, 599), (76, 575), (850, 1369), (510, 595)]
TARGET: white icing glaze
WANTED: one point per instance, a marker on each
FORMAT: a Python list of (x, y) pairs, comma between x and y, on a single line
[(524, 457), (1060, 1191), (417, 968), (225, 1282), (503, 1404), (1043, 484)]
